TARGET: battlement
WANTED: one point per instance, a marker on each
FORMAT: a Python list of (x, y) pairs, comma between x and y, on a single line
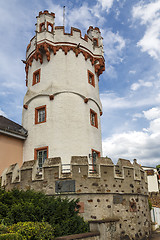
[(104, 177), (50, 39), (92, 41), (58, 37), (46, 12)]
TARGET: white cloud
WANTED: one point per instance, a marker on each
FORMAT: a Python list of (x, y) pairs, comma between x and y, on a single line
[(150, 42), (110, 71), (142, 145), (113, 46), (111, 101), (146, 12), (140, 83), (106, 4), (87, 16), (84, 13), (132, 72), (137, 116), (149, 14), (155, 126), (152, 113), (131, 100), (58, 10)]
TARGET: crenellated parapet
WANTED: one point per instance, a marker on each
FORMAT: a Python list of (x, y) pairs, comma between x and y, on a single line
[(105, 191), (105, 177), (50, 39)]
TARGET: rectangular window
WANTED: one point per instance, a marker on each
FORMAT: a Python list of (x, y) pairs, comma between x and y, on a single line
[(40, 114), (95, 42), (36, 77), (93, 118), (95, 154), (91, 78), (41, 154)]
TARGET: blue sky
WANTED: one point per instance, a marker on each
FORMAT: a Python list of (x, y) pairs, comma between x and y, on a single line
[(130, 86)]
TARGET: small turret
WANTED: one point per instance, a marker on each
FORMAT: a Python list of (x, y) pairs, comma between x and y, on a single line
[(45, 22), (95, 35)]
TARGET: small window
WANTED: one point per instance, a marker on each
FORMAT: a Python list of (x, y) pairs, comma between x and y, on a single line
[(42, 27), (41, 154), (49, 27), (36, 77), (40, 114), (91, 78), (95, 42), (95, 154), (93, 118)]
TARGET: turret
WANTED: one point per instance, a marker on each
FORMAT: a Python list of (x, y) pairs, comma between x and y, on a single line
[(62, 107)]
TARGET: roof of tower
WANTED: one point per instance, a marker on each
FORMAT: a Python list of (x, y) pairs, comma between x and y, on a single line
[(9, 127)]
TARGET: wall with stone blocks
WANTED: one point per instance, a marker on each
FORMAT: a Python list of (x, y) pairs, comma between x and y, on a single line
[(110, 191)]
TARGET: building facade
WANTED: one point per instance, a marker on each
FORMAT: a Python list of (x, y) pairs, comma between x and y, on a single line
[(12, 137), (62, 107), (152, 178)]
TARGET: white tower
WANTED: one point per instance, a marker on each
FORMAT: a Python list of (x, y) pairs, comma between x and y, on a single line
[(62, 107)]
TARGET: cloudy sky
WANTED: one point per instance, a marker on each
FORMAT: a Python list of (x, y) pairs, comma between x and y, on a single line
[(130, 86)]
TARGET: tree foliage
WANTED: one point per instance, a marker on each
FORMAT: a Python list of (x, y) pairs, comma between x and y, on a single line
[(21, 206)]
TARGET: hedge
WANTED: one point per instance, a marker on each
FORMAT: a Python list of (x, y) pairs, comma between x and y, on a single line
[(29, 206), (11, 236)]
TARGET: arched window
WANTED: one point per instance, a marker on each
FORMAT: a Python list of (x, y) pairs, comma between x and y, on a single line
[(49, 27), (42, 27)]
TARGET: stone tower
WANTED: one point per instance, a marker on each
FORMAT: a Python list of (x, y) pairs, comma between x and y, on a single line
[(62, 107)]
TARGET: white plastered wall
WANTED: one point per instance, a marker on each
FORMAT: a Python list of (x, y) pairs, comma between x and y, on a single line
[(71, 135), (67, 131)]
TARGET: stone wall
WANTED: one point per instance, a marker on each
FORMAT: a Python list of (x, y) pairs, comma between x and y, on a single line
[(110, 191)]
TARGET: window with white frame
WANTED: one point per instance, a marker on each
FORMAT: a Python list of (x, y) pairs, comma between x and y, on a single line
[(41, 154), (91, 78), (95, 155), (40, 114), (36, 77), (41, 157), (93, 118)]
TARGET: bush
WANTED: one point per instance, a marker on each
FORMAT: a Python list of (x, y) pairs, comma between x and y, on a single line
[(34, 231), (21, 206), (3, 229), (11, 236)]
